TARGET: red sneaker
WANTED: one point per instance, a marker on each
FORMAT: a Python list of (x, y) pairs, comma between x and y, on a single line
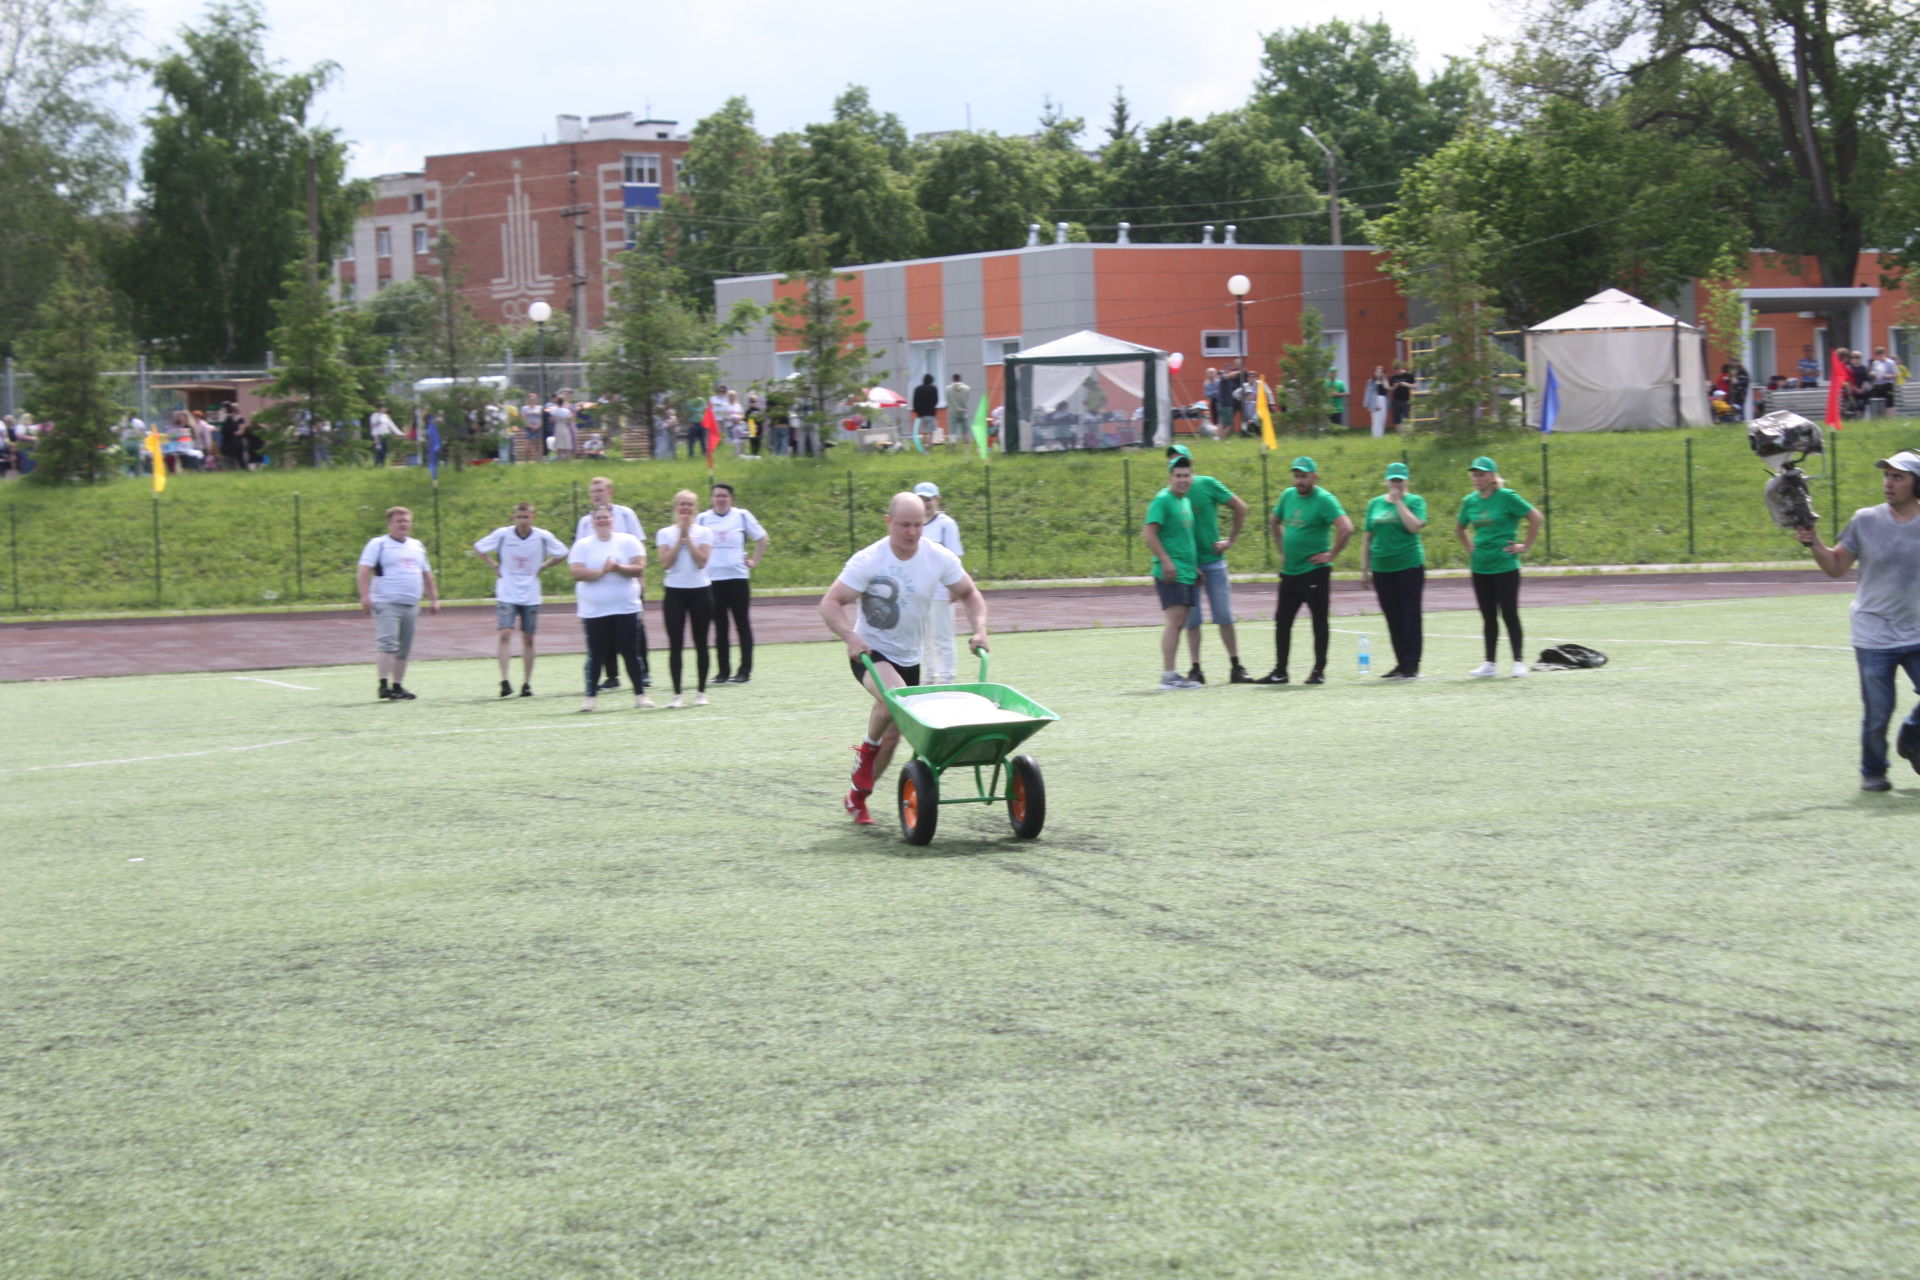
[(856, 804), (863, 771)]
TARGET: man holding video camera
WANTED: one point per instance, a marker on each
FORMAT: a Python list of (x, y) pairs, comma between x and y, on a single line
[(1885, 541)]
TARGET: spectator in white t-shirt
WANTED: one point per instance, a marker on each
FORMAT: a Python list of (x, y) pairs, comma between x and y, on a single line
[(518, 554), (733, 528), (560, 427), (384, 431), (600, 494), (940, 529), (392, 575), (893, 581), (684, 548), (609, 572)]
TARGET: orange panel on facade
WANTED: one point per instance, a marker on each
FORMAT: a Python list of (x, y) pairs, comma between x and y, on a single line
[(926, 301), (1000, 297)]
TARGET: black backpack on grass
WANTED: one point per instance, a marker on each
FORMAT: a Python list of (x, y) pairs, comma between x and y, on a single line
[(1570, 657)]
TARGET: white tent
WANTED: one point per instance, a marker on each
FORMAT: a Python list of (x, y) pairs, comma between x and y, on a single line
[(1619, 364), (1087, 391)]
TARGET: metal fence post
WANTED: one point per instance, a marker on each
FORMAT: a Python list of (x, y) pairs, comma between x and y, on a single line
[(156, 549), (1833, 479), (436, 528), (1126, 513), (146, 412), (299, 576), (1546, 495), (850, 546), (989, 485), (12, 388), (1691, 553), (13, 546), (575, 508)]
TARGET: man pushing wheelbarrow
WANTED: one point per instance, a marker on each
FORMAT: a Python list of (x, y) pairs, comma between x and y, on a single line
[(894, 582)]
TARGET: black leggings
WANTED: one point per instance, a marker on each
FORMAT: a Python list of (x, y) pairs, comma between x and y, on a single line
[(1498, 595), (1314, 589), (682, 602), (1399, 592), (615, 637), (732, 596)]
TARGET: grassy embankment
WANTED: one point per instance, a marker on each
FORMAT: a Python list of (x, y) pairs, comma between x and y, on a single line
[(229, 540)]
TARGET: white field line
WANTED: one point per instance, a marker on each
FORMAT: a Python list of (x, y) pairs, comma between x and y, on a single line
[(178, 755), (282, 683), (1745, 644)]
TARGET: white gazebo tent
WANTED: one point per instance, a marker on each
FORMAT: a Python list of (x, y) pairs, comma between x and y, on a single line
[(1619, 364), (1086, 391)]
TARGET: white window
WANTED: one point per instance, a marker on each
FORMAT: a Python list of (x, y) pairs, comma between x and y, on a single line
[(783, 363), (679, 178), (1761, 361), (641, 169), (1906, 346), (1218, 343), (929, 358), (346, 250), (636, 218), (997, 350), (383, 242), (418, 202), (422, 242), (346, 291)]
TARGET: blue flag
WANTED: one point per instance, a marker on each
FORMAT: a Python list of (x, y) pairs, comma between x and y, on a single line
[(1550, 401), (433, 446)]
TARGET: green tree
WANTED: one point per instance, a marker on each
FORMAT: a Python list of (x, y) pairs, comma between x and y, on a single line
[(714, 218), (979, 191), (1456, 352), (1811, 101), (1305, 367), (450, 341), (1355, 85), (833, 360), (1723, 307), (75, 341), (62, 160), (316, 380), (231, 175), (1180, 174), (865, 201), (658, 339)]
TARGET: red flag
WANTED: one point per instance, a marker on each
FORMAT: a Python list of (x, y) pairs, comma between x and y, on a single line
[(712, 424), (1838, 376)]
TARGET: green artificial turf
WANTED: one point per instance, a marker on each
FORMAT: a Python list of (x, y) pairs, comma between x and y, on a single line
[(1599, 975), (281, 537)]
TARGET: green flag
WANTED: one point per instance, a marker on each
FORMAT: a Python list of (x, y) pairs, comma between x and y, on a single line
[(980, 425)]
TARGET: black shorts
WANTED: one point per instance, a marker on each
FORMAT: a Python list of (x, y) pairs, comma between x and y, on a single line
[(1177, 595), (908, 675)]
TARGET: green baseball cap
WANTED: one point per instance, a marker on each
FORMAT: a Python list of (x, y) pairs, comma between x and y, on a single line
[(1179, 459), (1179, 451), (1396, 471), (1304, 463), (1482, 463)]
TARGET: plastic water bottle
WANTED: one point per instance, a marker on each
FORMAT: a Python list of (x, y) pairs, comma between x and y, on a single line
[(1366, 656)]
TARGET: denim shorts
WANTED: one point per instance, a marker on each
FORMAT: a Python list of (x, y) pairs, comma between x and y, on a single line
[(1218, 591), (528, 616)]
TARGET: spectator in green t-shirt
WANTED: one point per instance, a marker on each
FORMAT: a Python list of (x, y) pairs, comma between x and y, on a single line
[(1394, 561), (1168, 533), (1208, 495), (1493, 512), (1310, 529)]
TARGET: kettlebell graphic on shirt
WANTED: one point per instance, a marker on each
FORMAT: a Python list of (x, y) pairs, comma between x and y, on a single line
[(880, 604)]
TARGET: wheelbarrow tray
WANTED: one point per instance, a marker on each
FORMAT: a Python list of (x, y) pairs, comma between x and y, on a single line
[(944, 735)]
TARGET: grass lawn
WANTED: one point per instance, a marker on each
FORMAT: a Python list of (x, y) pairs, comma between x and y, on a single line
[(1590, 975), (280, 537)]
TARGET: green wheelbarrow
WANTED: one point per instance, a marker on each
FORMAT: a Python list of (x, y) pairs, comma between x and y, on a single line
[(960, 725)]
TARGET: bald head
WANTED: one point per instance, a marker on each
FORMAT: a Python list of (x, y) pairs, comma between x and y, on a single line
[(905, 502), (906, 518)]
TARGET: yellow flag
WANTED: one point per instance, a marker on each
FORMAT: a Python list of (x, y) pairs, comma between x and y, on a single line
[(1267, 437), (157, 448)]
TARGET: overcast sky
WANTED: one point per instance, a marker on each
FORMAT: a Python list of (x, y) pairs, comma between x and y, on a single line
[(418, 80)]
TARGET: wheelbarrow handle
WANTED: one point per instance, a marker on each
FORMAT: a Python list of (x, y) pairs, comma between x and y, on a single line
[(982, 651)]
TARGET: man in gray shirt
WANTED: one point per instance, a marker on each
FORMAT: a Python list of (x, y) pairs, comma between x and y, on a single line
[(1885, 540)]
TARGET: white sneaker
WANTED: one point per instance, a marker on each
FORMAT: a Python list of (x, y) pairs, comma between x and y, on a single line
[(641, 702), (1520, 669), (588, 704), (676, 704), (699, 699), (1485, 669), (1177, 681)]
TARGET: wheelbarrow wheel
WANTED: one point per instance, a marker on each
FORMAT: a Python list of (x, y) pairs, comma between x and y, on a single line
[(919, 802), (1026, 797)]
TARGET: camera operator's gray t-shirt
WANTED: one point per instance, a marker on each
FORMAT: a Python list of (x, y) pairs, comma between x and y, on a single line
[(1886, 608)]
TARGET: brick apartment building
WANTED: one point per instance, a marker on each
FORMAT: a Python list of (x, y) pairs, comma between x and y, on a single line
[(532, 224)]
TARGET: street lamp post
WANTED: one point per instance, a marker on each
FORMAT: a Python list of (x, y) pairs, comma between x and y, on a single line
[(1239, 286), (1333, 182), (540, 313)]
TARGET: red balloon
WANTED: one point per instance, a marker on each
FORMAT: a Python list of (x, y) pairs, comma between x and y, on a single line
[(1175, 360)]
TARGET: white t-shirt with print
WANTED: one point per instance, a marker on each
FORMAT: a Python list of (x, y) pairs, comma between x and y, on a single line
[(896, 594), (610, 593), (683, 571), (520, 560), (403, 568), (624, 521), (731, 534)]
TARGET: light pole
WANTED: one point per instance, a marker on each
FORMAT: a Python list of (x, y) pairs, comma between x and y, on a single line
[(540, 313), (1239, 287), (1333, 182)]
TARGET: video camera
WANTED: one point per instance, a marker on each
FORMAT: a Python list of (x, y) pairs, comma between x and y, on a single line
[(1783, 440)]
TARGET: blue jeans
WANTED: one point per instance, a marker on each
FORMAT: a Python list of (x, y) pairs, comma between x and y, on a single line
[(1217, 593), (1877, 695)]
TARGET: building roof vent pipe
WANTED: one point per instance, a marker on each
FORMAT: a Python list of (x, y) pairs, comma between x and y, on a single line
[(1059, 233), (1126, 234), (1233, 234), (1033, 234), (1206, 234)]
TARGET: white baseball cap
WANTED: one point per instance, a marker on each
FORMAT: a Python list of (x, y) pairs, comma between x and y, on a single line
[(1905, 460), (928, 489)]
